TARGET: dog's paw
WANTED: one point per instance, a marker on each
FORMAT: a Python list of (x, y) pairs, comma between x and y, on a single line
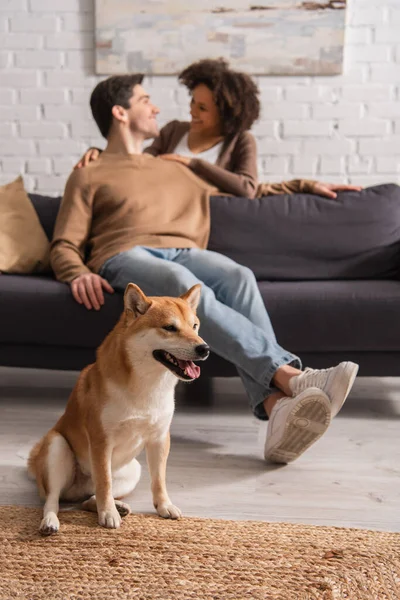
[(123, 508), (110, 518), (49, 525), (169, 511)]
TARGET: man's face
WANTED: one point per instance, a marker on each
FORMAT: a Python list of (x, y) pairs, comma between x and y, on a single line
[(142, 114)]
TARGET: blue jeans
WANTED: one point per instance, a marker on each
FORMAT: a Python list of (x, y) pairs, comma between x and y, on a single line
[(233, 318)]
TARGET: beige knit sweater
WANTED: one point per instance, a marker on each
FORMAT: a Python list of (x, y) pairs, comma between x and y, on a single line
[(121, 201)]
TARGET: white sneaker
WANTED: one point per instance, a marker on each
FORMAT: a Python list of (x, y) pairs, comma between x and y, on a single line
[(295, 424), (336, 382)]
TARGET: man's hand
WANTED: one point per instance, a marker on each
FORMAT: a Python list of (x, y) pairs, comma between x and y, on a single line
[(87, 289), (329, 189), (184, 160), (91, 154)]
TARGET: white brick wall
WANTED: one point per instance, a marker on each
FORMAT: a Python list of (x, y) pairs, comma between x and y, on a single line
[(342, 128)]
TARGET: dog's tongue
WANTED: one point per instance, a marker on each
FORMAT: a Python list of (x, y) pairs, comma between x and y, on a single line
[(190, 368)]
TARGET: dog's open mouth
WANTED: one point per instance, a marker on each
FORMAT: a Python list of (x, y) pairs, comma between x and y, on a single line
[(185, 369)]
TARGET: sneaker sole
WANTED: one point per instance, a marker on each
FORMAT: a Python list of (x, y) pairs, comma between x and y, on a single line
[(305, 424), (350, 371)]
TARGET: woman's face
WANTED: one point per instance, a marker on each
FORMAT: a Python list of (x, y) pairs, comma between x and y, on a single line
[(205, 116)]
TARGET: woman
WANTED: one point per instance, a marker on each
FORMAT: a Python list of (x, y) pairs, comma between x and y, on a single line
[(216, 144)]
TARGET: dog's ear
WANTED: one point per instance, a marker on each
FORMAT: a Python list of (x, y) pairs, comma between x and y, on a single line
[(192, 296), (135, 301)]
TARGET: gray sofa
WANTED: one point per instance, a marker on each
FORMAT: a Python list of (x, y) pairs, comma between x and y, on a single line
[(328, 271)]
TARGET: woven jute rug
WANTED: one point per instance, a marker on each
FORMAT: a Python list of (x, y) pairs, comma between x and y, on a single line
[(152, 558)]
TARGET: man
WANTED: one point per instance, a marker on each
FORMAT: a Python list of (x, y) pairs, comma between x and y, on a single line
[(146, 220)]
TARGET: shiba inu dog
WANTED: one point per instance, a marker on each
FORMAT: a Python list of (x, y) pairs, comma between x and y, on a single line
[(122, 403)]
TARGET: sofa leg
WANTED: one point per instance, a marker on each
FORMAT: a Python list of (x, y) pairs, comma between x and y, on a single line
[(198, 393)]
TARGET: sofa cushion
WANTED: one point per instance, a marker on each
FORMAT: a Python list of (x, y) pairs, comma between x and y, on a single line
[(305, 237), (335, 316), (40, 310), (24, 247), (47, 208), (312, 316)]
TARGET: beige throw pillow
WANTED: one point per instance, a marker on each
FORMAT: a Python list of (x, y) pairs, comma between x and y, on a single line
[(24, 247)]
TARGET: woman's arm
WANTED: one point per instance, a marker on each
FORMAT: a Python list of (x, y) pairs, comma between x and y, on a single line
[(167, 140), (156, 147), (169, 136), (92, 153), (242, 179), (305, 186)]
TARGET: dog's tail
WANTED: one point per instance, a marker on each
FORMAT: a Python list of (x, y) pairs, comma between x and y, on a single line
[(35, 473), (33, 455)]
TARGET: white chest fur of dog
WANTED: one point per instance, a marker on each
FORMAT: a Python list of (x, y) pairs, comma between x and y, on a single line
[(130, 425), (121, 404)]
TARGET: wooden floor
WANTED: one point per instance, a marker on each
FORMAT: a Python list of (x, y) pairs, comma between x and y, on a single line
[(350, 478)]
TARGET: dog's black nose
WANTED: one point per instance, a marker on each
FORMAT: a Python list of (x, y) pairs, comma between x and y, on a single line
[(203, 350)]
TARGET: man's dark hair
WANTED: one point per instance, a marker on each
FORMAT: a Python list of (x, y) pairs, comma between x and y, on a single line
[(116, 90), (235, 93)]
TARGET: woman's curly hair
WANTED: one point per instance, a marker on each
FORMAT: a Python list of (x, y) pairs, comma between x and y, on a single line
[(235, 93)]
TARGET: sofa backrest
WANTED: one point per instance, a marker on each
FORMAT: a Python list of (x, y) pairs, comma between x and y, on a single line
[(305, 237), (47, 208), (301, 236)]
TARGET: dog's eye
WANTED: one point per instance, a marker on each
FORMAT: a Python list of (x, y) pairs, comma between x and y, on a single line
[(195, 326), (170, 328)]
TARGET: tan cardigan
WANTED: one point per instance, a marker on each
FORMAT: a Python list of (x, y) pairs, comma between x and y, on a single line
[(235, 171)]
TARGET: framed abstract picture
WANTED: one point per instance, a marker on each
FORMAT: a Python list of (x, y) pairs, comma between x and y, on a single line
[(277, 37)]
